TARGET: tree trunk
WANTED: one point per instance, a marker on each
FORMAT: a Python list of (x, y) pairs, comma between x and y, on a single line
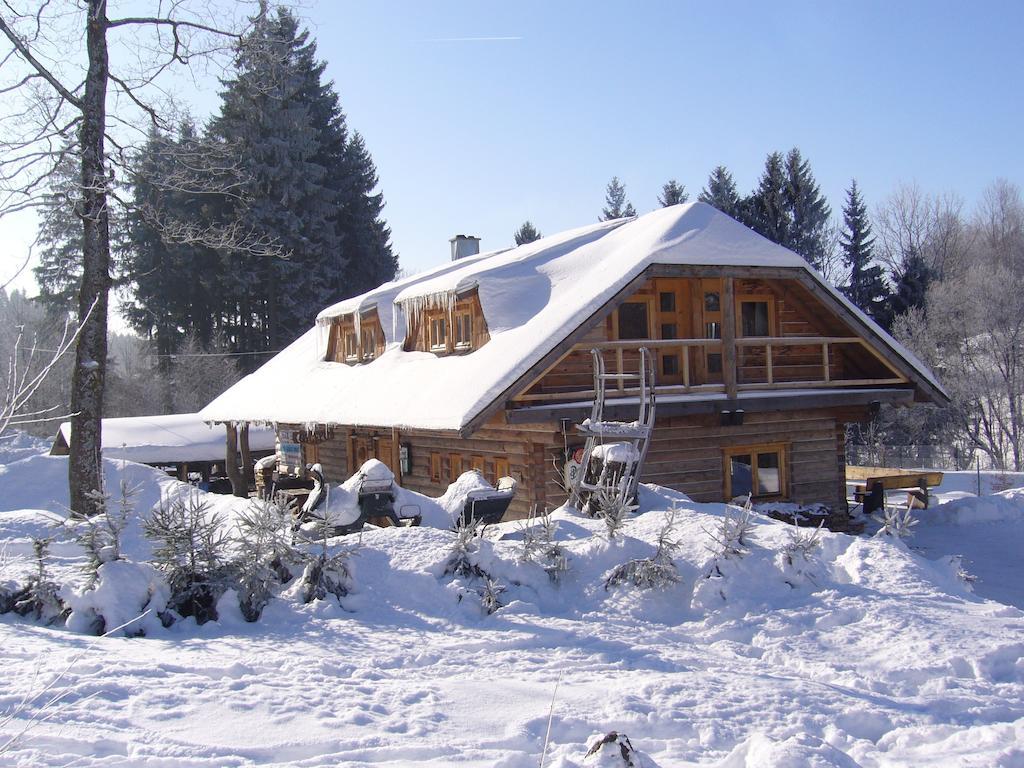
[(231, 461), (248, 471), (85, 472)]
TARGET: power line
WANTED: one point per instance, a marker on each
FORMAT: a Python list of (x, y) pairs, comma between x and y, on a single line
[(181, 354)]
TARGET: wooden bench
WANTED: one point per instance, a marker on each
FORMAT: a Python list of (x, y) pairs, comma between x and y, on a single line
[(875, 481)]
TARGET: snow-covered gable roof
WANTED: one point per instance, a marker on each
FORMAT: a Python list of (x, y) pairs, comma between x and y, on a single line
[(532, 297), (181, 437)]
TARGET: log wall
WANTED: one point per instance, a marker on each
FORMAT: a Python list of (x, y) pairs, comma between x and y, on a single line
[(687, 453)]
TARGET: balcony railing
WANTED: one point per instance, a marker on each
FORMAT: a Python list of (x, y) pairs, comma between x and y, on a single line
[(752, 363)]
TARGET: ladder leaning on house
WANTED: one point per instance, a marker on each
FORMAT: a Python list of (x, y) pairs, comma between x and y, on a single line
[(614, 452)]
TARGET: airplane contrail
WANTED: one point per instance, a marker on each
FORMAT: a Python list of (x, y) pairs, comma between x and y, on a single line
[(471, 39)]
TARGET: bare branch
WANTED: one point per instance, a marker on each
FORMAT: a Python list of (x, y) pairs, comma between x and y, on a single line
[(26, 54)]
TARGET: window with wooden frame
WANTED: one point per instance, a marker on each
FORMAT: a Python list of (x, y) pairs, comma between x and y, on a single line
[(755, 315), (759, 470), (633, 320), (369, 342), (350, 344), (435, 467), (454, 466), (462, 328), (501, 469), (437, 331)]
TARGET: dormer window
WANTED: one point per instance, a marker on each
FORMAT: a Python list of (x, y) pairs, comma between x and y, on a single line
[(369, 340), (463, 329), (446, 326), (351, 345), (437, 332)]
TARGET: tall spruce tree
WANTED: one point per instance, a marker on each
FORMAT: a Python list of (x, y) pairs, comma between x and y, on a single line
[(721, 193), (767, 210), (312, 189), (60, 235), (673, 193), (866, 285), (527, 233), (912, 281), (809, 212), (616, 205)]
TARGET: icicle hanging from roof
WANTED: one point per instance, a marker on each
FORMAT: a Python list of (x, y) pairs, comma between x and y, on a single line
[(415, 306)]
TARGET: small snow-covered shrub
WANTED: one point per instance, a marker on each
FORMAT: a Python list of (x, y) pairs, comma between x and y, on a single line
[(614, 750), (798, 552), (803, 542), (40, 598), (897, 522), (613, 507), (655, 572), (955, 563), (490, 595), (539, 545), (730, 537), (129, 596), (99, 533), (263, 552), (461, 560), (191, 551), (327, 575)]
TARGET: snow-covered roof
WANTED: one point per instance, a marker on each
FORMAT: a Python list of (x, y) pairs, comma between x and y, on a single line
[(532, 297), (181, 437)]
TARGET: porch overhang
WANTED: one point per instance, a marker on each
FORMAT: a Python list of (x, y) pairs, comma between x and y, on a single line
[(715, 402)]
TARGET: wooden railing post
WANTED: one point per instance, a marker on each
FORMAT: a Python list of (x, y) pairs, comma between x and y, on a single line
[(824, 363), (768, 361), (618, 367), (729, 338), (686, 366)]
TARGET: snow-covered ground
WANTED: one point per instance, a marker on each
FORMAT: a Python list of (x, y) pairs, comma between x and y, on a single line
[(870, 653)]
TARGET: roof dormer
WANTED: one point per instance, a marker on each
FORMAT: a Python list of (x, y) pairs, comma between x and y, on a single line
[(355, 338)]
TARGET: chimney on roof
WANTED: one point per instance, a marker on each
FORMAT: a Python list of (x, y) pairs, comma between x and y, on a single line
[(464, 245)]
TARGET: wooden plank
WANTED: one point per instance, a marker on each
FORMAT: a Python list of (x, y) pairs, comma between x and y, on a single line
[(892, 478)]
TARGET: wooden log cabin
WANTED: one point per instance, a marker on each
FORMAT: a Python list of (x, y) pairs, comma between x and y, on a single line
[(485, 363)]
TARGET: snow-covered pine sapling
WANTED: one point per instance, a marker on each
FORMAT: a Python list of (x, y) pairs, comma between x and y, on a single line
[(539, 545), (730, 537), (803, 542), (99, 533), (614, 749), (191, 552), (490, 595), (956, 565), (460, 560), (262, 552), (655, 572), (326, 573), (797, 552), (41, 597), (897, 522), (613, 507)]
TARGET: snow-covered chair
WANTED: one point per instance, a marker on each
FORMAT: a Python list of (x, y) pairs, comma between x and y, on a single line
[(487, 506)]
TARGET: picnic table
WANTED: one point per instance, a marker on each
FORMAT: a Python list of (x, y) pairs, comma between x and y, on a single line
[(875, 481)]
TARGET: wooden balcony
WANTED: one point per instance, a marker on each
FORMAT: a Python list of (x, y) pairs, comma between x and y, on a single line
[(745, 364)]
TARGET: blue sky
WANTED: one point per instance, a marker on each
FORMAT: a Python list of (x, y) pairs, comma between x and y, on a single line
[(475, 135)]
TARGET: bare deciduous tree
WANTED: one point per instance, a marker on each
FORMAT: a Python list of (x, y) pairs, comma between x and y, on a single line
[(973, 331), (64, 92)]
